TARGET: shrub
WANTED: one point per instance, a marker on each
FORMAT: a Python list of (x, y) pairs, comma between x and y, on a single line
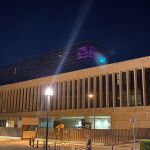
[(145, 145)]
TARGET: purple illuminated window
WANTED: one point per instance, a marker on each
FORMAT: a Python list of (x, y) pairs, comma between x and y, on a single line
[(84, 52)]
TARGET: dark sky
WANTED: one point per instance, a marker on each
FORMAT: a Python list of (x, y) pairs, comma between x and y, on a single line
[(31, 28)]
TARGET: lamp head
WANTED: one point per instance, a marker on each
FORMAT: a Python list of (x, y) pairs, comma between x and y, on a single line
[(90, 95), (48, 91)]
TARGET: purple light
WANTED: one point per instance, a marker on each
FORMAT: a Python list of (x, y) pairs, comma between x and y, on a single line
[(85, 52)]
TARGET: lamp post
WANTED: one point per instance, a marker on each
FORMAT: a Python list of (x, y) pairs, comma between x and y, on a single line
[(91, 96), (48, 94), (132, 120)]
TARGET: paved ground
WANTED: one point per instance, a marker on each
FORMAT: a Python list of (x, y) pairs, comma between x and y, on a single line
[(24, 145)]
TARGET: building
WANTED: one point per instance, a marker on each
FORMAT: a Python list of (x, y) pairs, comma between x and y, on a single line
[(118, 91), (78, 57)]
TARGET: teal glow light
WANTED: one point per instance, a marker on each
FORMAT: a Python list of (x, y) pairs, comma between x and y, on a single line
[(102, 60)]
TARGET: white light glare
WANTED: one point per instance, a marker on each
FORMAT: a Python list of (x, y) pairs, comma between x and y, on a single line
[(90, 95), (49, 91)]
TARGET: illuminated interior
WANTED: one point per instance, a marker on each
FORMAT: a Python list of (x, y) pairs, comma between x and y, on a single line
[(101, 122)]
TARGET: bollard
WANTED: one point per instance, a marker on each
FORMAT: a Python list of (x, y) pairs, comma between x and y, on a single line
[(37, 144), (54, 145), (30, 141), (44, 145)]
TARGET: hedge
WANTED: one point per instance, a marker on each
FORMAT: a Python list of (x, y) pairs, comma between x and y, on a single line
[(145, 145)]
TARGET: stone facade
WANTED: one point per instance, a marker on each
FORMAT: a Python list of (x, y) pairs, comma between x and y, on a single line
[(120, 90)]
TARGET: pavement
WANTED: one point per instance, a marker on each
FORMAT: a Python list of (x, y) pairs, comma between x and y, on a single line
[(16, 144)]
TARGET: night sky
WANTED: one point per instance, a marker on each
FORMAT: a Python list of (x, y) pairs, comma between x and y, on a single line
[(34, 27)]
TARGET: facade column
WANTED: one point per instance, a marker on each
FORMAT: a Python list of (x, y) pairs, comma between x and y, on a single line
[(43, 99), (78, 93), (24, 99), (54, 97), (7, 98), (31, 97), (63, 96), (10, 100), (83, 93), (143, 87), (73, 94), (0, 101), (59, 97), (35, 98), (4, 101), (100, 91), (107, 91), (86, 119), (95, 93), (28, 93), (18, 99), (128, 88), (114, 90), (68, 94), (21, 100), (39, 98), (15, 97), (135, 86), (120, 89)]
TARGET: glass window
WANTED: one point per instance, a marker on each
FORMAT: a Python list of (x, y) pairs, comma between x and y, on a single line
[(91, 91), (131, 79), (97, 92), (147, 82), (110, 90), (139, 88), (75, 96), (124, 89), (26, 95), (86, 92), (80, 99), (70, 94), (103, 91), (117, 84)]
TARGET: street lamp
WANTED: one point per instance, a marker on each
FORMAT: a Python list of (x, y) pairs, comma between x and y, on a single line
[(48, 93), (132, 120), (91, 96)]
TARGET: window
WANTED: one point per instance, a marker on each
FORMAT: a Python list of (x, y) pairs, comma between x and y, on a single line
[(103, 91), (124, 89), (139, 88), (117, 84), (110, 90), (131, 81), (147, 80)]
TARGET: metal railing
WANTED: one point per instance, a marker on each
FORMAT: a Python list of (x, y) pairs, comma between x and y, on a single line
[(97, 136), (10, 131)]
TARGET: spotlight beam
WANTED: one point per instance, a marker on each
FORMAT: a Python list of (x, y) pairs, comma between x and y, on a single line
[(77, 26)]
